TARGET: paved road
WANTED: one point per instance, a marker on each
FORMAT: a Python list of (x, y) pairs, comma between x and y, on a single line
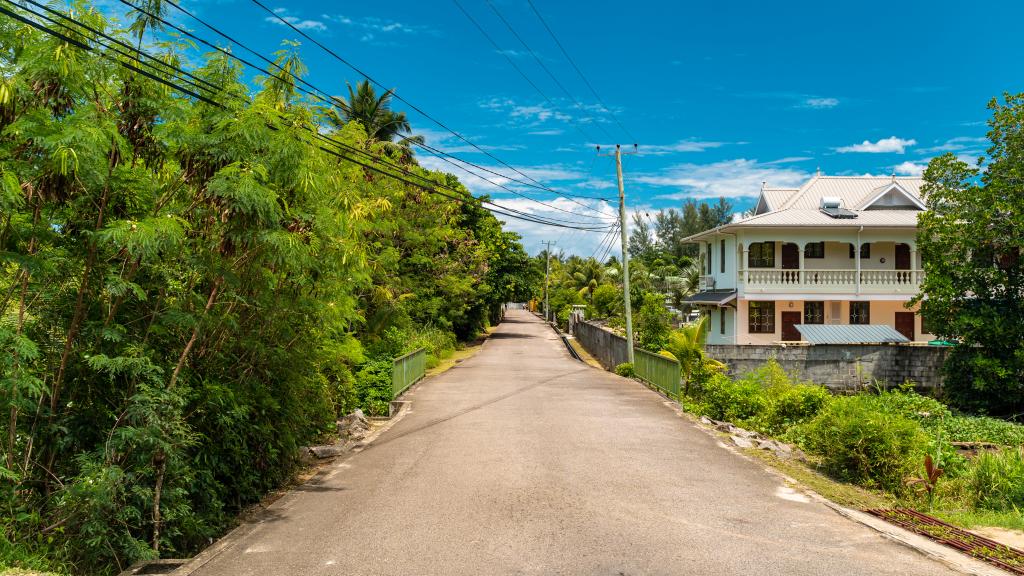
[(522, 460)]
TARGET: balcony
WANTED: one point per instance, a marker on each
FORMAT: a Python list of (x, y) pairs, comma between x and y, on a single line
[(823, 281)]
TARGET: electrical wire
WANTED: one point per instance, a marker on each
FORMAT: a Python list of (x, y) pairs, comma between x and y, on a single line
[(540, 63), (499, 50), (322, 95), (395, 94), (580, 72), (504, 211)]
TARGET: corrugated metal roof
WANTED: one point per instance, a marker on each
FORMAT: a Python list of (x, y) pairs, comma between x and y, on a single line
[(852, 190), (711, 297), (776, 197), (894, 218), (850, 333)]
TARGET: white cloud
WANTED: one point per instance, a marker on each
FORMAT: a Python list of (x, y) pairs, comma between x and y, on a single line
[(890, 144), (680, 146), (595, 184), (300, 23), (570, 241), (910, 168), (958, 144), (820, 103), (554, 132), (739, 178)]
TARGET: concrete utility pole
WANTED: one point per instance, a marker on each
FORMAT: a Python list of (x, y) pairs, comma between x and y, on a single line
[(625, 254), (547, 274)]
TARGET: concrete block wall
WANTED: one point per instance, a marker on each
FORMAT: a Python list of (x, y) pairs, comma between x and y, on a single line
[(608, 348), (841, 367)]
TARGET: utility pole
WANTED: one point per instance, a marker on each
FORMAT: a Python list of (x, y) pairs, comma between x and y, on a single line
[(625, 253), (547, 274)]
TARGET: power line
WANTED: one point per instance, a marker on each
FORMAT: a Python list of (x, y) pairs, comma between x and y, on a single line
[(578, 71), (540, 63), (497, 48), (397, 96), (322, 95), (502, 210)]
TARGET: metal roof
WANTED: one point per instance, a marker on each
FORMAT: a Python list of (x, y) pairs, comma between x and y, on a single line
[(800, 208), (850, 333), (711, 297)]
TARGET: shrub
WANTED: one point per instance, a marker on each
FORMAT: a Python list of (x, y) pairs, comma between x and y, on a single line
[(859, 443), (606, 300), (652, 323), (983, 429), (997, 479), (373, 387), (625, 369), (766, 399)]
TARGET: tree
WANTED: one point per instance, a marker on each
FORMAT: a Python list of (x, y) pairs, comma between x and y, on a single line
[(641, 241), (652, 323), (686, 345), (374, 113), (971, 239)]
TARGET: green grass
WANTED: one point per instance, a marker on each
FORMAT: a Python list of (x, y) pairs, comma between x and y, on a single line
[(982, 518), (841, 493)]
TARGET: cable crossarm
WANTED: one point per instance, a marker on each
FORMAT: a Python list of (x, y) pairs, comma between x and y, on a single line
[(396, 95), (430, 186), (578, 71), (323, 96)]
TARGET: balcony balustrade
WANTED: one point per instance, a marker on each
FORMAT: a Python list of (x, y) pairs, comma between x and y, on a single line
[(834, 281)]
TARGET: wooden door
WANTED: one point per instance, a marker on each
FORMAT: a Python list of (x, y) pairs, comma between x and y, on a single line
[(902, 257), (905, 324), (790, 257), (789, 331)]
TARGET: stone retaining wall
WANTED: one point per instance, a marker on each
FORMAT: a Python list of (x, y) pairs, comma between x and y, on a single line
[(841, 367)]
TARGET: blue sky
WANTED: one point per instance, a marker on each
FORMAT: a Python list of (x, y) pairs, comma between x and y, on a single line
[(720, 96)]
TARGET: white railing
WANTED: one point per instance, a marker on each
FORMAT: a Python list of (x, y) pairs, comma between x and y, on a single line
[(820, 280), (707, 282)]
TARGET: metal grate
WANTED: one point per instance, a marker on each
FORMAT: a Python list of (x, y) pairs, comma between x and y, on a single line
[(1001, 555)]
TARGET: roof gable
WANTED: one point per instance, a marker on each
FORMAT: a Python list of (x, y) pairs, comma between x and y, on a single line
[(892, 196)]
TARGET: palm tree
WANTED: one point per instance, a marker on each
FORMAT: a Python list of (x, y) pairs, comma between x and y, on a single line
[(686, 345), (382, 124)]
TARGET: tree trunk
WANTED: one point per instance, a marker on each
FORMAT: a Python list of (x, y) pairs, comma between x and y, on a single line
[(195, 334)]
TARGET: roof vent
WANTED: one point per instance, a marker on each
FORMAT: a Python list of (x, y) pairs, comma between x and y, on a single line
[(833, 207)]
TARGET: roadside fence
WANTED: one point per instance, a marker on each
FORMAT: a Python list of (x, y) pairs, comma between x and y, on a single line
[(408, 370)]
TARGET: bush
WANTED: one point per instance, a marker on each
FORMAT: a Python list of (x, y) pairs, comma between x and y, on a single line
[(607, 301), (625, 369), (997, 480), (652, 323), (983, 429), (373, 387), (861, 444), (766, 399)]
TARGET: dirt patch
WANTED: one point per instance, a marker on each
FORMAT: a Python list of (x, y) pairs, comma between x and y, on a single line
[(1011, 538)]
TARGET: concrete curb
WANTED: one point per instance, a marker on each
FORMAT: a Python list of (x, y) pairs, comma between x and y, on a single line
[(251, 525), (949, 557)]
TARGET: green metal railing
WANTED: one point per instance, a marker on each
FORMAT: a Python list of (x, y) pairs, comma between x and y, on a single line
[(658, 371), (407, 370)]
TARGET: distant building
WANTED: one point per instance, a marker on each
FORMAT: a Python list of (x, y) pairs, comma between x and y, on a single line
[(838, 251)]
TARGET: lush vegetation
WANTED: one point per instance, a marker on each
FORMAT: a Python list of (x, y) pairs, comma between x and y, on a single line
[(879, 439), (971, 242), (190, 291)]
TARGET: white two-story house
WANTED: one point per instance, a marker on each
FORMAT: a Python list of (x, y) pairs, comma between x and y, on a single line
[(838, 251)]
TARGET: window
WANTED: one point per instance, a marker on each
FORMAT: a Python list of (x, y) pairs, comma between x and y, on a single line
[(721, 321), (708, 260), (761, 317), (761, 255), (723, 257), (814, 250), (814, 312), (865, 251), (860, 312)]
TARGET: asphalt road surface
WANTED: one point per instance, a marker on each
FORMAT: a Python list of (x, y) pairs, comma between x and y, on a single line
[(522, 460)]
